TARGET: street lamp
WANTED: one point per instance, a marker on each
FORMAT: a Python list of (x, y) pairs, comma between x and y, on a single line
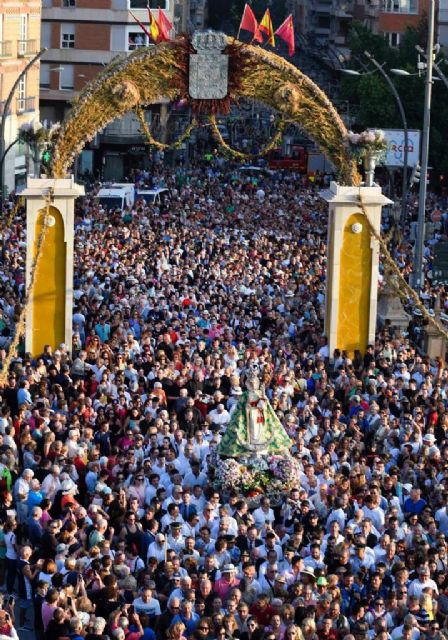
[(379, 67), (401, 72), (6, 107), (442, 76), (420, 240)]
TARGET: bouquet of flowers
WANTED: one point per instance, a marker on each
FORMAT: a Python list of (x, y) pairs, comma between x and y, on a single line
[(257, 475), (229, 474), (285, 469), (367, 142)]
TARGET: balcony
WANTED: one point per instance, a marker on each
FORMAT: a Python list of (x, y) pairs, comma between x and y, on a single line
[(5, 48), (25, 105), (26, 48)]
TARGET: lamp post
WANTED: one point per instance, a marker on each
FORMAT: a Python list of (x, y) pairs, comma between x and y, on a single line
[(436, 66), (3, 122), (379, 67), (420, 240)]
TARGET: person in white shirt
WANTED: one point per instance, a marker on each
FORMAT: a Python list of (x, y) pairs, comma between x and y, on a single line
[(219, 416), (422, 582), (51, 483), (157, 549), (264, 515)]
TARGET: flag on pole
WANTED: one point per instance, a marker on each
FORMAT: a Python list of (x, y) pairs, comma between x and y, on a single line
[(140, 24), (153, 27), (267, 28), (164, 25), (286, 33), (249, 23)]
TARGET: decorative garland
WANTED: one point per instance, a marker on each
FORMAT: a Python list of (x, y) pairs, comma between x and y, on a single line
[(156, 143), (12, 215), (405, 288), (272, 144), (147, 75), (21, 323)]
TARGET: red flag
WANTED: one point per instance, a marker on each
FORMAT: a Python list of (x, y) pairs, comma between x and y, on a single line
[(165, 26), (140, 24), (249, 23), (286, 33)]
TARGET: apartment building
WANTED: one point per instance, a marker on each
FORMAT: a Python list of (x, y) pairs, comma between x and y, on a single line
[(397, 15), (82, 37), (443, 23), (327, 22), (19, 42)]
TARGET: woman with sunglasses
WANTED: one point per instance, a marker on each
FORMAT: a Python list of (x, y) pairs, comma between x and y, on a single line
[(203, 631), (254, 631)]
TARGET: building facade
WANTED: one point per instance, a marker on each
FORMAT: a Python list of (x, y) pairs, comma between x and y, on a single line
[(397, 15), (329, 21), (19, 42), (443, 23), (83, 36)]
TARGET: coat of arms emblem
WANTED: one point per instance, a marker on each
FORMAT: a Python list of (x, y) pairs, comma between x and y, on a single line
[(209, 66)]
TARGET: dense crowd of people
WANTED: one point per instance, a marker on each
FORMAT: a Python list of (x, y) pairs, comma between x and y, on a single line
[(111, 525)]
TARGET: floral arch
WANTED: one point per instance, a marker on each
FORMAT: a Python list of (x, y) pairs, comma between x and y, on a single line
[(150, 74)]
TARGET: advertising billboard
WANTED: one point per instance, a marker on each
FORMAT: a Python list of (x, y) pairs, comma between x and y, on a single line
[(394, 156)]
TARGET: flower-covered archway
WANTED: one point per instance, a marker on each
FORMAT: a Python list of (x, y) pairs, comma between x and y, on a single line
[(161, 72)]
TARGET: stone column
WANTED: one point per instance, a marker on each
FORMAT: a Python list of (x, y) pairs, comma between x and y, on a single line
[(49, 318), (352, 267)]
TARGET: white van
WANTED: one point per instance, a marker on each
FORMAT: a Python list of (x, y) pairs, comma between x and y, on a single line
[(152, 196), (116, 196)]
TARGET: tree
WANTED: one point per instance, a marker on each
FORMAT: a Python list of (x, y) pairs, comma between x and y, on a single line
[(375, 102)]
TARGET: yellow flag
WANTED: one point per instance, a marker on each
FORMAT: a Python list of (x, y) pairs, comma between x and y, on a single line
[(153, 27), (267, 28)]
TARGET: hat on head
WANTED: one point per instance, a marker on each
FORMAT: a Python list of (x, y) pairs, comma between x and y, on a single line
[(322, 581), (68, 486), (430, 437), (308, 571), (61, 548), (228, 568)]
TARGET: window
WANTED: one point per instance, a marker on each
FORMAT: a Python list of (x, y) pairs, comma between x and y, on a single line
[(21, 99), (44, 81), (401, 6), (45, 34), (69, 4), (67, 36), (23, 34), (136, 40), (24, 26), (67, 77), (153, 4), (393, 38)]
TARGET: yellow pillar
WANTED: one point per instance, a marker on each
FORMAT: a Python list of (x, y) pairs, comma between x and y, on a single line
[(352, 267), (49, 317)]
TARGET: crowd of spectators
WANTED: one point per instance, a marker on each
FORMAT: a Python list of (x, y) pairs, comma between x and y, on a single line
[(110, 522)]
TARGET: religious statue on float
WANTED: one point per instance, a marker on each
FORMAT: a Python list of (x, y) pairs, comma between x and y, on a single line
[(254, 428)]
